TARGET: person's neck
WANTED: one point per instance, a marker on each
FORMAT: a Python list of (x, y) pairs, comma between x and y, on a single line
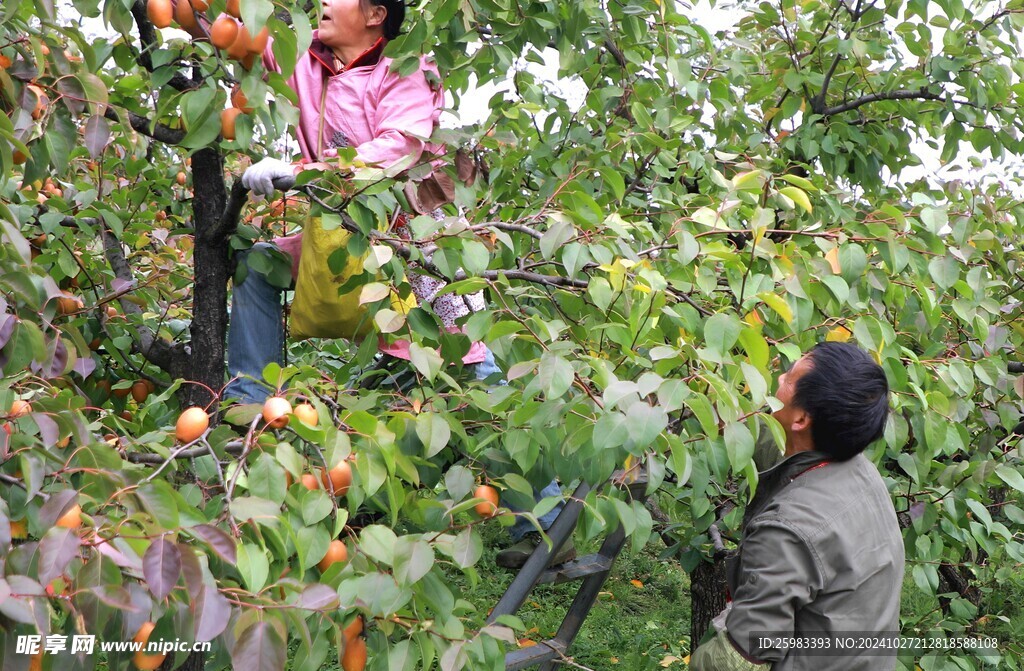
[(349, 53), (798, 444)]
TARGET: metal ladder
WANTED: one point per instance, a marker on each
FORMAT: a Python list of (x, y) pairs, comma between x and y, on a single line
[(592, 569)]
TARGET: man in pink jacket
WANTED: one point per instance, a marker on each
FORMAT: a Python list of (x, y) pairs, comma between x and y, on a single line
[(384, 116)]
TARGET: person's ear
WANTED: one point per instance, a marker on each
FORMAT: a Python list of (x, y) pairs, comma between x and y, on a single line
[(801, 421), (376, 17)]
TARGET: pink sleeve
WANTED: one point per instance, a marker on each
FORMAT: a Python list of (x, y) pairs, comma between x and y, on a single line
[(269, 61), (407, 112)]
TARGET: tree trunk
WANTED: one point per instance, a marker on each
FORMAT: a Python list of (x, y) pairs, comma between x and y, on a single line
[(196, 661), (707, 597), (212, 267)]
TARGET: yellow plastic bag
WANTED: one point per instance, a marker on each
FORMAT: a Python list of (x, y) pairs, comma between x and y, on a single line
[(319, 309)]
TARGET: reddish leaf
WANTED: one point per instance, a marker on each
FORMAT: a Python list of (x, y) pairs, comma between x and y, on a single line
[(161, 565), (119, 558), (97, 134), (58, 363), (84, 366), (7, 322), (72, 94), (58, 547), (318, 597), (212, 613), (259, 648), (191, 568), (465, 167), (23, 608), (221, 543), (433, 192), (48, 429), (115, 596), (55, 506)]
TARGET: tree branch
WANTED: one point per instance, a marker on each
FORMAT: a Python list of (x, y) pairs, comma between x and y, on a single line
[(232, 211), (168, 356), (818, 102), (902, 94), (147, 36), (233, 448), (536, 278), (520, 228), (148, 128)]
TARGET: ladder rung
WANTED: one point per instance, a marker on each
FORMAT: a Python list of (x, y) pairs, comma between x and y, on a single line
[(535, 654), (576, 569)]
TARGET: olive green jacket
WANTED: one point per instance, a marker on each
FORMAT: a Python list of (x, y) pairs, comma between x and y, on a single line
[(822, 553)]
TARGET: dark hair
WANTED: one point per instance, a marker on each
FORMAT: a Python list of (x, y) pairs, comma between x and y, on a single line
[(847, 396), (396, 15)]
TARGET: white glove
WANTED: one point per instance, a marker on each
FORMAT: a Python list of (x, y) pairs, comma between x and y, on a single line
[(260, 178)]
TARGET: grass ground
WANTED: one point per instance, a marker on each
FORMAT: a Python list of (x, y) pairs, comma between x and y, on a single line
[(641, 619)]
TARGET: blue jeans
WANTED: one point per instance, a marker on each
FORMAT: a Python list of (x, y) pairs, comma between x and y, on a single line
[(256, 333), (256, 338)]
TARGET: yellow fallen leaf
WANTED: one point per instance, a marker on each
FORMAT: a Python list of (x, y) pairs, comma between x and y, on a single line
[(686, 660), (832, 256), (668, 660), (614, 660), (636, 583), (526, 643)]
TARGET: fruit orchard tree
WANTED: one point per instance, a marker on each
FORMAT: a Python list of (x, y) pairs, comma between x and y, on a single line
[(714, 206)]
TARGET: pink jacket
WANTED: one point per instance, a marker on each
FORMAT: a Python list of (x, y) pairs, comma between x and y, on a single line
[(385, 117)]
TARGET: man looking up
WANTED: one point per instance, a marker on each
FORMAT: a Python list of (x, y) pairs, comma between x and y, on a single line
[(822, 552)]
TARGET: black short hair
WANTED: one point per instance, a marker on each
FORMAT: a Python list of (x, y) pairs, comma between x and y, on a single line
[(395, 18), (847, 396)]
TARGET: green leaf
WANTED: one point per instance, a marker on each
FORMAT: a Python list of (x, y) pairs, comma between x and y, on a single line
[(434, 431), (934, 219), (378, 593), (253, 566), (739, 445), (611, 431), (378, 543), (944, 270), (555, 375), (798, 181), (798, 196), (413, 559), (704, 412), (1010, 476), (261, 511), (255, 14), (426, 360), (755, 346), (158, 498), (316, 505), (267, 480), (559, 233), (644, 423), (467, 548), (721, 331)]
